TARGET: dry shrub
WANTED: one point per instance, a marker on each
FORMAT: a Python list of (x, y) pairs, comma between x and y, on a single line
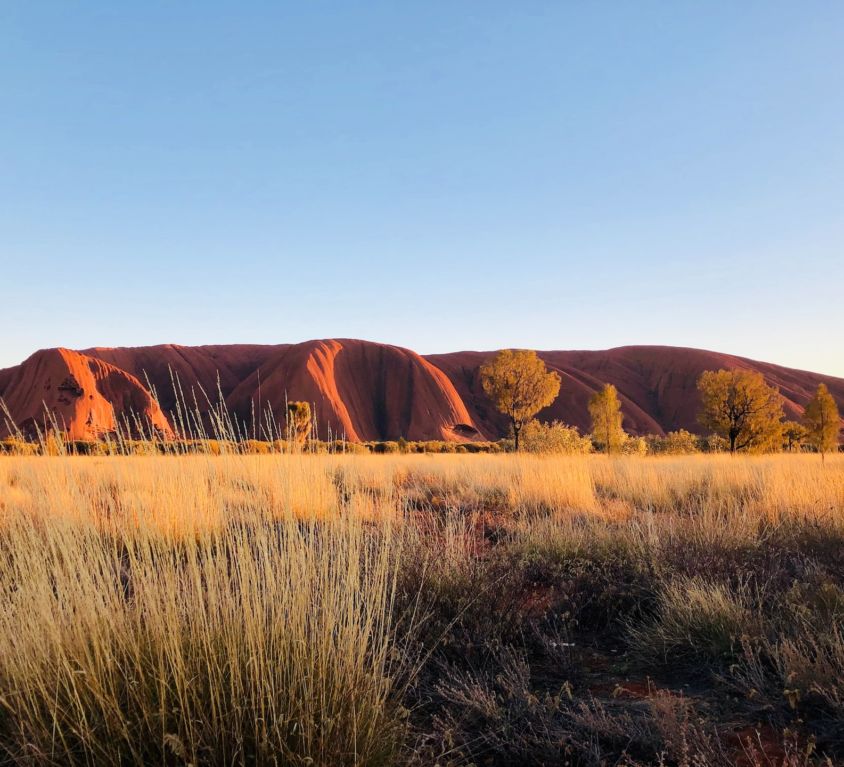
[(797, 674), (696, 622)]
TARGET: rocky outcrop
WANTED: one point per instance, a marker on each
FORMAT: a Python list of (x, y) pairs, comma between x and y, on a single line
[(80, 395), (361, 390), (657, 385)]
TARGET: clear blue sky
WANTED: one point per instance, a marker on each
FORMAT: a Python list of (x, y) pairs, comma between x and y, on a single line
[(440, 175)]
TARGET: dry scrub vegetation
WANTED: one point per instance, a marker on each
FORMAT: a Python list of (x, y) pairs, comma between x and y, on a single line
[(418, 610)]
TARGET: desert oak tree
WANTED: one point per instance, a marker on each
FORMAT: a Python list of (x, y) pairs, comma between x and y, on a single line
[(822, 421), (605, 411), (739, 406), (519, 385)]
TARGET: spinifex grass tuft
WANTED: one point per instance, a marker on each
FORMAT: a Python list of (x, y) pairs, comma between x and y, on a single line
[(259, 641)]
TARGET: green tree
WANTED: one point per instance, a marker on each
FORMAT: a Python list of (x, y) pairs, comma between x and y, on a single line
[(823, 421), (298, 421), (605, 411), (739, 406), (519, 385)]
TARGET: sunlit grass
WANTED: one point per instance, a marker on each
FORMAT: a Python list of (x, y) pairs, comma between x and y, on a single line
[(269, 609)]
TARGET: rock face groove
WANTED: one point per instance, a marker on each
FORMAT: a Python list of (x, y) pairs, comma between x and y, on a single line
[(359, 390)]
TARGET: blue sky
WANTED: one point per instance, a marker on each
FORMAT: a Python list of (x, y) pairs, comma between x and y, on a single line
[(437, 175)]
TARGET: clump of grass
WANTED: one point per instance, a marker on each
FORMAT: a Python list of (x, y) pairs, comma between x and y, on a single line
[(796, 671), (256, 644), (697, 623), (496, 716)]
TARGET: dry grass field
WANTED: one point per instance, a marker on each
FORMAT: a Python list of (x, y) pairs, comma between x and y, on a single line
[(420, 610)]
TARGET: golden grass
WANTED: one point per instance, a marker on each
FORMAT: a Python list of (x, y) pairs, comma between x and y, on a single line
[(192, 610), (239, 609), (189, 493)]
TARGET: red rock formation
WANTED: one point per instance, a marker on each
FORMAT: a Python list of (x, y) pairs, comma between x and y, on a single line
[(195, 367), (82, 396), (366, 390), (362, 390), (657, 385)]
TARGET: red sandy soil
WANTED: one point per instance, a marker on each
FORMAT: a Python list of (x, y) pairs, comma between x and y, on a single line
[(366, 391)]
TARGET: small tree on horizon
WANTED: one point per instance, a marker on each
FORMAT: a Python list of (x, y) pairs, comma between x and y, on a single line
[(519, 385), (607, 418), (298, 421), (822, 421), (739, 406)]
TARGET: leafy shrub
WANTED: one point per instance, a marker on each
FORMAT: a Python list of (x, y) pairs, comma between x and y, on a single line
[(218, 447), (14, 446), (680, 442), (634, 446), (554, 437), (342, 446), (145, 447), (256, 447), (714, 444), (87, 447)]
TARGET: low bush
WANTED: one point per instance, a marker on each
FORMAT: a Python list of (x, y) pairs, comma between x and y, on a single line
[(352, 448), (256, 447), (698, 624), (19, 447), (714, 444), (554, 437), (679, 442), (634, 446)]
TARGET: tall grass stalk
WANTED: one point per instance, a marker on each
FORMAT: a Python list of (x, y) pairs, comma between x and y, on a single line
[(264, 639)]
